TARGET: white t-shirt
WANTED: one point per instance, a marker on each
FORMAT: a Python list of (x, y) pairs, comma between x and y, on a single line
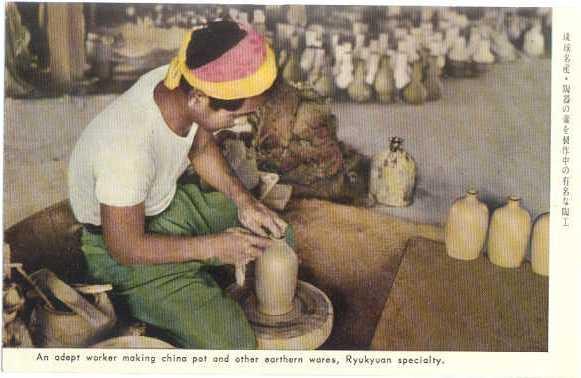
[(128, 155)]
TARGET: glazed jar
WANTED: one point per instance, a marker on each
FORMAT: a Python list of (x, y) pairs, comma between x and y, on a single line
[(359, 90), (534, 42), (384, 83), (415, 93), (466, 226), (276, 274), (393, 176), (510, 228), (540, 245)]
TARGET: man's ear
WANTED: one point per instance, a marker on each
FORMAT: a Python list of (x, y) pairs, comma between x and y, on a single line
[(197, 99)]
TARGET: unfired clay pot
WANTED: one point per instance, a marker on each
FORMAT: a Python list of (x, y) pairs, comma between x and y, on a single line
[(540, 245), (534, 42), (466, 227), (510, 228), (384, 81), (276, 279)]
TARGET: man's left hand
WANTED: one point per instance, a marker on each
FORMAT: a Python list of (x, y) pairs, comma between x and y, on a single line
[(261, 220)]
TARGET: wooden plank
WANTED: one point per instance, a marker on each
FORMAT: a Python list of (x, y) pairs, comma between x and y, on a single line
[(440, 303)]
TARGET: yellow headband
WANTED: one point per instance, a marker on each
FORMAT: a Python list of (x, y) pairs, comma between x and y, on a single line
[(249, 86)]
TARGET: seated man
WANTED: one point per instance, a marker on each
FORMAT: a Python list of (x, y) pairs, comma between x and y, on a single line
[(151, 237)]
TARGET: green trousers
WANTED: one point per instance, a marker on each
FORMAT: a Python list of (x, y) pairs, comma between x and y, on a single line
[(181, 299)]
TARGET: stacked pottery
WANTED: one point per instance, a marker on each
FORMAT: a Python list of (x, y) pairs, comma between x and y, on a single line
[(534, 41), (502, 47), (344, 66), (540, 245), (432, 82), (276, 279), (372, 62), (483, 57), (292, 69), (359, 90), (509, 234), (458, 58), (393, 176), (401, 71), (415, 93), (323, 84), (384, 84), (466, 226)]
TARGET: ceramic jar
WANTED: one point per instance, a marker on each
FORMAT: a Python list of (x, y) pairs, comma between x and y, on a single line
[(359, 90), (466, 226), (276, 274), (384, 83), (393, 176), (540, 245), (534, 42), (510, 228)]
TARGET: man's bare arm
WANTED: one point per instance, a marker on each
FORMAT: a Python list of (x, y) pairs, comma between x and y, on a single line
[(129, 244), (210, 164), (208, 161)]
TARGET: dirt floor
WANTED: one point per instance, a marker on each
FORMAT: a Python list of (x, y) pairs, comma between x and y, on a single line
[(491, 133)]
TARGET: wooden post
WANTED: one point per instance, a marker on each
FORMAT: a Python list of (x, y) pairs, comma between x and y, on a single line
[(66, 41)]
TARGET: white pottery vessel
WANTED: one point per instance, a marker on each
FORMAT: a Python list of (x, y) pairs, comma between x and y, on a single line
[(534, 43), (510, 228), (393, 176), (466, 226), (276, 279), (540, 245)]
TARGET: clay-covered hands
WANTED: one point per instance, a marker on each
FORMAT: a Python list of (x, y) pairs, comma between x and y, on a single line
[(261, 220), (238, 246)]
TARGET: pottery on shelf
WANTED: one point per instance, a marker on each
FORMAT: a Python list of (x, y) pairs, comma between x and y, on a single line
[(540, 245), (466, 226), (276, 274), (393, 176), (415, 93), (508, 238), (384, 83), (359, 90)]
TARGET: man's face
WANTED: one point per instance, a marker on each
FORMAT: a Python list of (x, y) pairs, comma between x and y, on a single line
[(217, 119)]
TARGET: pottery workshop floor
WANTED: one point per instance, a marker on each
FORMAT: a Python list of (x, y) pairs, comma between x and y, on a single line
[(491, 133)]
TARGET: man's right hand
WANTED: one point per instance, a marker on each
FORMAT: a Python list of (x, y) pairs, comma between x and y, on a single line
[(239, 246)]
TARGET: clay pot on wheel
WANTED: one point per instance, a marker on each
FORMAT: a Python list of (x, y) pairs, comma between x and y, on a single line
[(276, 279)]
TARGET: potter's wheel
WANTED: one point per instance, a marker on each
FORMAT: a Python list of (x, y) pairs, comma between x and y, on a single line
[(305, 327)]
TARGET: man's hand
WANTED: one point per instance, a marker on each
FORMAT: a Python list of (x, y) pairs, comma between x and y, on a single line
[(260, 219), (238, 246)]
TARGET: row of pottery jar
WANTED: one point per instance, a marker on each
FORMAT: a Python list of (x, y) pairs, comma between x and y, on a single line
[(508, 234)]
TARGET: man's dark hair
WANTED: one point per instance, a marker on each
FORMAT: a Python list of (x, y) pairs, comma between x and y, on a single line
[(209, 44)]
